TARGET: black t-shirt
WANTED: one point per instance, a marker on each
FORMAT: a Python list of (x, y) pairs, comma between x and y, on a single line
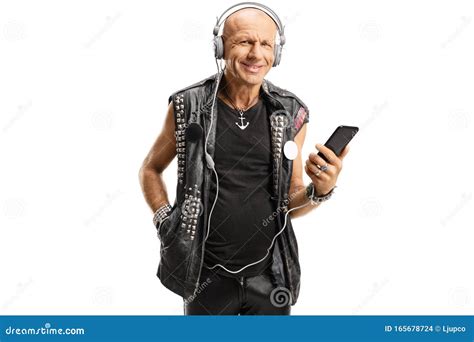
[(240, 232)]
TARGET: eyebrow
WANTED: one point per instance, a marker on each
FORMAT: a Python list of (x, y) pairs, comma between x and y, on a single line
[(247, 36)]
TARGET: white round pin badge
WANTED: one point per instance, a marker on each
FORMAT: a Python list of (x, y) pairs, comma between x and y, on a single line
[(290, 150)]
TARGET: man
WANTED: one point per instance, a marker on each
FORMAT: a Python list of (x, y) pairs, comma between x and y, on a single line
[(227, 244)]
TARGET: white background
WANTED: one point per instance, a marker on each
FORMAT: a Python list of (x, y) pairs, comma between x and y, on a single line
[(83, 94)]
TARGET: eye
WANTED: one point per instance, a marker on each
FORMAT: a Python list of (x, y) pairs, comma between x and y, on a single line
[(244, 42)]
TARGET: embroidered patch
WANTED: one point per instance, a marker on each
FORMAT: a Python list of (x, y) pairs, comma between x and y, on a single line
[(300, 118)]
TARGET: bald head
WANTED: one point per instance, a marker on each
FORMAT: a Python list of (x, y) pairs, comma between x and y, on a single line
[(249, 18)]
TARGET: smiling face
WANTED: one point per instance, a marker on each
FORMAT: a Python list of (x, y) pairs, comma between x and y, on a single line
[(249, 40)]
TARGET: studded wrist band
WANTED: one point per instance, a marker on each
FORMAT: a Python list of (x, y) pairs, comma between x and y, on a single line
[(161, 214), (317, 199)]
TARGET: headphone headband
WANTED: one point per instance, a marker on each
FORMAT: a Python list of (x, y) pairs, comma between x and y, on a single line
[(242, 5)]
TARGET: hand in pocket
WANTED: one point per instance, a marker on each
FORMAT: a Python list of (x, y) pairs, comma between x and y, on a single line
[(162, 226)]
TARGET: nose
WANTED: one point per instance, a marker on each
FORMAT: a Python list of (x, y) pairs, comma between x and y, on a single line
[(256, 51)]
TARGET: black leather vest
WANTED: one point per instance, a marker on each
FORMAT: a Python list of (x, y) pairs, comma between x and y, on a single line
[(182, 234)]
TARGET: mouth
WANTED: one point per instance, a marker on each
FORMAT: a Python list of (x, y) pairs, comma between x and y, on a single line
[(252, 68)]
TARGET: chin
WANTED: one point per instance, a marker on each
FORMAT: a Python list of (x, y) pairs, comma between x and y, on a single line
[(253, 79)]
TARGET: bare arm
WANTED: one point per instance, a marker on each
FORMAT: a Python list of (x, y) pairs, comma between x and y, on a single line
[(159, 157), (297, 191)]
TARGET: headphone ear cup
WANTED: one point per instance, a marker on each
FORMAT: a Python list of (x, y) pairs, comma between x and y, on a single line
[(218, 47), (277, 55)]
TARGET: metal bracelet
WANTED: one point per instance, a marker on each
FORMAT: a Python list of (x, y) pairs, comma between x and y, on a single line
[(161, 214), (317, 199)]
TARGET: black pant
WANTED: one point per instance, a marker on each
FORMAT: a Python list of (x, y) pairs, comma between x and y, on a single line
[(225, 295)]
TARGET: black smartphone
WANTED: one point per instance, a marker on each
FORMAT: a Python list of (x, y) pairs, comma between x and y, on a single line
[(339, 139)]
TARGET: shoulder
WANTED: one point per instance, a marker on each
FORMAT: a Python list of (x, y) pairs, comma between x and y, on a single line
[(299, 110), (284, 93), (195, 86)]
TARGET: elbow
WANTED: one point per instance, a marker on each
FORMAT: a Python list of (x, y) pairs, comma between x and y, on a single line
[(142, 170), (145, 172), (141, 175)]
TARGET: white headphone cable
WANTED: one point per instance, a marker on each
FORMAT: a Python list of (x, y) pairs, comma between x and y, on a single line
[(271, 245)]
